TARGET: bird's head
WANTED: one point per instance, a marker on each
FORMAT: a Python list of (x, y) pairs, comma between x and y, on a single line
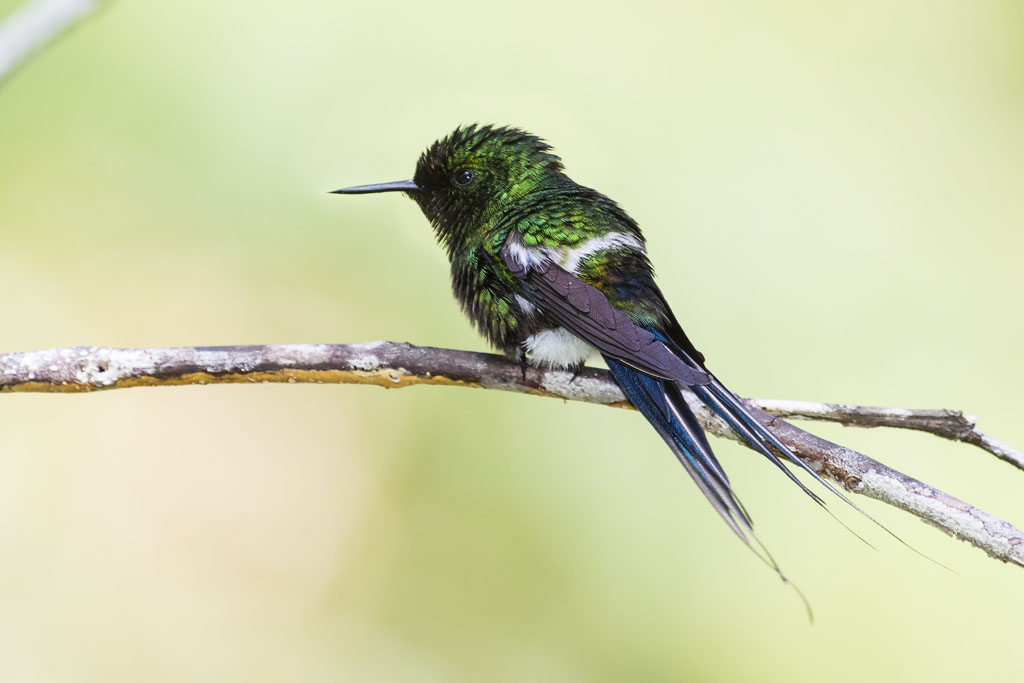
[(467, 178)]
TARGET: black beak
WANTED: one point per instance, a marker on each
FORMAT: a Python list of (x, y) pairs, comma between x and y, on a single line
[(397, 186)]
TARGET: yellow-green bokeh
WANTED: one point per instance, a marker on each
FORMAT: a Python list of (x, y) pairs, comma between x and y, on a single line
[(832, 193)]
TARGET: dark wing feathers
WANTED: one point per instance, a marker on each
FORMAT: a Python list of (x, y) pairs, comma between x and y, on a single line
[(651, 367), (585, 311)]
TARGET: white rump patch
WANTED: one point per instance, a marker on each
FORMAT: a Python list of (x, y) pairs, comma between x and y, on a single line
[(558, 348), (570, 259)]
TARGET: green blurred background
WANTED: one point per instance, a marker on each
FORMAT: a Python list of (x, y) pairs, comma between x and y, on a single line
[(832, 193)]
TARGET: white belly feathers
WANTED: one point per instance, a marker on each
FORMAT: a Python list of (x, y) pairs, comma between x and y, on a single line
[(558, 348)]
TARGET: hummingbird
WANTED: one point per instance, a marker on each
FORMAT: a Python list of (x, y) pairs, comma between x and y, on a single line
[(553, 273)]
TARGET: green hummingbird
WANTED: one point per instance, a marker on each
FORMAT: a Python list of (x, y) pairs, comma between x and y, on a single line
[(553, 273)]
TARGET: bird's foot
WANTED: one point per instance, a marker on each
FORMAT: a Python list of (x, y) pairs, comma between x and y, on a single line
[(576, 370)]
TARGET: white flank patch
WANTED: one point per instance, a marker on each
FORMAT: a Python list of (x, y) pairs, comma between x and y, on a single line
[(558, 348), (525, 306), (527, 258), (570, 259)]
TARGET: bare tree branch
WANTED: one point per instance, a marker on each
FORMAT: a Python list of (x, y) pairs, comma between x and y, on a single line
[(395, 365), (949, 424), (36, 24)]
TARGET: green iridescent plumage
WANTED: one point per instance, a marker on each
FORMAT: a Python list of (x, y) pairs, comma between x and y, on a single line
[(520, 187)]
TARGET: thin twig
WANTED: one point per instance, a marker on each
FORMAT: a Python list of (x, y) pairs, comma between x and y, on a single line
[(949, 424), (34, 25), (395, 365)]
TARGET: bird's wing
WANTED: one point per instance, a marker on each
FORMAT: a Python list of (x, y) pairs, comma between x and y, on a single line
[(650, 369), (667, 362), (586, 312)]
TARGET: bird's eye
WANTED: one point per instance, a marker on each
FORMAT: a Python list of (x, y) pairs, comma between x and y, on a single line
[(464, 177)]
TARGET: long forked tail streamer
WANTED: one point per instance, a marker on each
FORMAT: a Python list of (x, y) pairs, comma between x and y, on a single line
[(664, 407), (717, 394)]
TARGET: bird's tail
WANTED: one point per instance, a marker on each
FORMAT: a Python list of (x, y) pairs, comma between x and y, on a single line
[(662, 403)]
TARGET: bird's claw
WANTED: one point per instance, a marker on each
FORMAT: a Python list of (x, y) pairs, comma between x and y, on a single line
[(576, 370)]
